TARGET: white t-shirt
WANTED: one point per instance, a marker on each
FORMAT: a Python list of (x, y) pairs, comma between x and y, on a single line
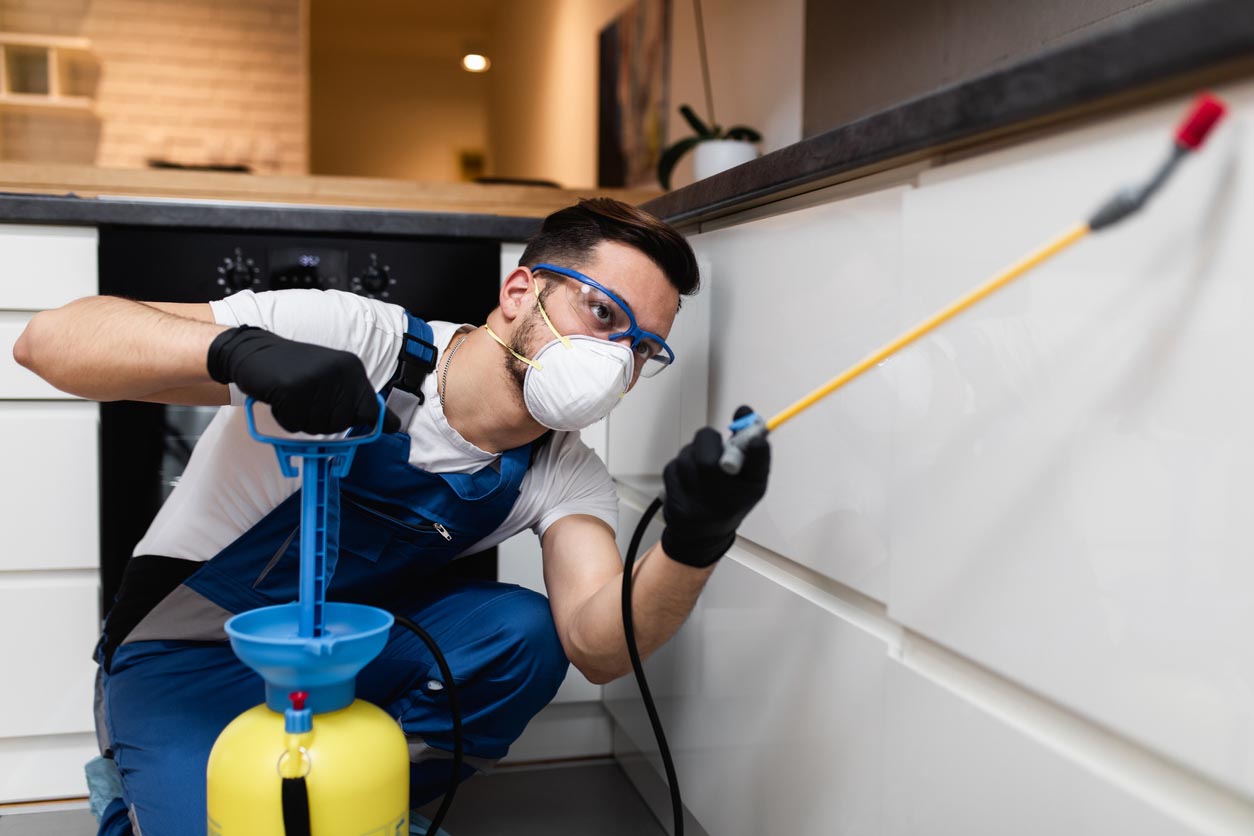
[(232, 482)]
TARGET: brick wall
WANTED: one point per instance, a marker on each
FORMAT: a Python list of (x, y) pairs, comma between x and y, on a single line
[(193, 81)]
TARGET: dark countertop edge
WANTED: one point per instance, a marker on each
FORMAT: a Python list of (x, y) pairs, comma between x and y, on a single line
[(1152, 49), (334, 220)]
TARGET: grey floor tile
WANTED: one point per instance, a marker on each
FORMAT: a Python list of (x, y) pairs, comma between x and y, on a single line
[(63, 823), (556, 801)]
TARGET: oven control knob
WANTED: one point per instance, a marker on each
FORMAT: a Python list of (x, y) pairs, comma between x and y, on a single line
[(375, 280), (237, 273)]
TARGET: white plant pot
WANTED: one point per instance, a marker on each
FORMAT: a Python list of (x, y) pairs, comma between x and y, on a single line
[(715, 155)]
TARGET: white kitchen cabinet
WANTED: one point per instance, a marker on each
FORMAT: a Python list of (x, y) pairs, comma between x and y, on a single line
[(56, 616), (1073, 474), (46, 266), (950, 768), (33, 768), (1034, 523), (771, 707), (49, 513), (797, 298), (49, 509)]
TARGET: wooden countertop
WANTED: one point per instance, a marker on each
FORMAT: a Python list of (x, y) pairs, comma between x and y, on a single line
[(361, 192)]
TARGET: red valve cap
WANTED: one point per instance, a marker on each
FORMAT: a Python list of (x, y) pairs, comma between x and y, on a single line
[(298, 699), (1207, 110)]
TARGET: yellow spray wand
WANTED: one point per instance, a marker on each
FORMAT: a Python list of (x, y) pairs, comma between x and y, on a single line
[(1206, 111)]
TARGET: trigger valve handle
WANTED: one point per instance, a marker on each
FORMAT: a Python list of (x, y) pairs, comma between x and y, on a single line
[(744, 430)]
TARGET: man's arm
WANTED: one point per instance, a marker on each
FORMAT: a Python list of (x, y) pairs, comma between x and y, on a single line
[(583, 574), (106, 349), (703, 507)]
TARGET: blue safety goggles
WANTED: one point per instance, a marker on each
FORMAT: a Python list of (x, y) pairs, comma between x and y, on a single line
[(607, 316)]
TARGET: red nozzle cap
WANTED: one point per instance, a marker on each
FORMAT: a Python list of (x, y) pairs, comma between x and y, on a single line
[(298, 699), (1207, 110)]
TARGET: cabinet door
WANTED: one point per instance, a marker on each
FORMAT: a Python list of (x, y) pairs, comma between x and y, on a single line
[(38, 768), (49, 508), (50, 622), (15, 381), (46, 266), (1073, 472)]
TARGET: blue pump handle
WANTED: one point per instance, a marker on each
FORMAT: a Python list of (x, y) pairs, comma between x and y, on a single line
[(324, 462), (339, 449)]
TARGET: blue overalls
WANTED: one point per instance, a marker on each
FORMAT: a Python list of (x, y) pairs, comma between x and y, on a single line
[(165, 700)]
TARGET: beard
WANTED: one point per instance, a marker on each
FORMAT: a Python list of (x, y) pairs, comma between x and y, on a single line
[(516, 368), (521, 340)]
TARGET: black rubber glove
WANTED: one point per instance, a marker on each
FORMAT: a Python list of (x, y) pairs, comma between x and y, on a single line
[(704, 506), (310, 388)]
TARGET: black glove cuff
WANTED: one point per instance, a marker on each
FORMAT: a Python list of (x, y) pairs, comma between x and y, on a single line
[(218, 359), (699, 552)]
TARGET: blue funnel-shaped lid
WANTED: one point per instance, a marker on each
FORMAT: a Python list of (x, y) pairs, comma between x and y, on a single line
[(268, 641)]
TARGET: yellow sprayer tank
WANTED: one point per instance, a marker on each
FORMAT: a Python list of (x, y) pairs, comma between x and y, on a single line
[(339, 765), (355, 763)]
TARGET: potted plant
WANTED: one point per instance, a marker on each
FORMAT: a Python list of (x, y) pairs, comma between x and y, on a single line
[(717, 149)]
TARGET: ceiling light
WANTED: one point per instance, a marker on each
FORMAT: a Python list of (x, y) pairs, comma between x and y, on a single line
[(475, 63)]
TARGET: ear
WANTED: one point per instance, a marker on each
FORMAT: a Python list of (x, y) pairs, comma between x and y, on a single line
[(516, 291)]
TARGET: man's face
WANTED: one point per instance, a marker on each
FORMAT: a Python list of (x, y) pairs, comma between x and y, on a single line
[(626, 272)]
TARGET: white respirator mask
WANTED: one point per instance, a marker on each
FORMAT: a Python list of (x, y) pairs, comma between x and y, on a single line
[(574, 381)]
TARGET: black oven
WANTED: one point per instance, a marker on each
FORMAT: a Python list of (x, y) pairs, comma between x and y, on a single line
[(144, 447)]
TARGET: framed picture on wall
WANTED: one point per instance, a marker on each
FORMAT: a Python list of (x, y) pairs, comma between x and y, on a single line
[(631, 124)]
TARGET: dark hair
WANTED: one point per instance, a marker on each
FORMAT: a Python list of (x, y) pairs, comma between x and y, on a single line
[(568, 237)]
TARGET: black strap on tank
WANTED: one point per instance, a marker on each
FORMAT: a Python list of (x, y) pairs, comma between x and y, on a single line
[(295, 807)]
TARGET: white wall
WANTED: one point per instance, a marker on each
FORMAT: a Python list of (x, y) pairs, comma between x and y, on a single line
[(188, 81), (755, 52), (1002, 583), (542, 117), (388, 96), (543, 99)]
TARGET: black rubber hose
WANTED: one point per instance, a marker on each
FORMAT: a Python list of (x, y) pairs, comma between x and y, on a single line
[(450, 687), (677, 806)]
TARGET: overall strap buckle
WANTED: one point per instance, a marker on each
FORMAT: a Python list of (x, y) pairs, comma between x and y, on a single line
[(416, 361), (417, 358)]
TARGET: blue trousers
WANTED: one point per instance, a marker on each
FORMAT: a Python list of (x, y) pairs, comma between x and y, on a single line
[(166, 702)]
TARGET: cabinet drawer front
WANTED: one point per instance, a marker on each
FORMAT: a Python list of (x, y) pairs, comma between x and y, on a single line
[(48, 265), (57, 617), (49, 498), (15, 381), (39, 768)]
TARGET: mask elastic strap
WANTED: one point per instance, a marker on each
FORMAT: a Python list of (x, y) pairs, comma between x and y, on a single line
[(531, 363), (543, 313)]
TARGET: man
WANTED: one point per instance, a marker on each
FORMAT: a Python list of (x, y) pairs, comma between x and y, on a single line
[(484, 447)]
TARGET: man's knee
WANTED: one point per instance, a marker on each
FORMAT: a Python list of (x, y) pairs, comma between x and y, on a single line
[(532, 663), (508, 663)]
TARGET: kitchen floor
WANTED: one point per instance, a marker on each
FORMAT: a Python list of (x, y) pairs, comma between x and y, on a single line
[(570, 800)]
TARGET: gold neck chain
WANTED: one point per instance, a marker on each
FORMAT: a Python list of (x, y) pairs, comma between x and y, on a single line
[(444, 372)]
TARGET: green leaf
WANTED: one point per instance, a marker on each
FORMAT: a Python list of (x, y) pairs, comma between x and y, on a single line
[(745, 133), (695, 121), (666, 165)]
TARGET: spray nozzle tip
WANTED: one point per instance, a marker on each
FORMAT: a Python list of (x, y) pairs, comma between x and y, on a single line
[(1207, 111)]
